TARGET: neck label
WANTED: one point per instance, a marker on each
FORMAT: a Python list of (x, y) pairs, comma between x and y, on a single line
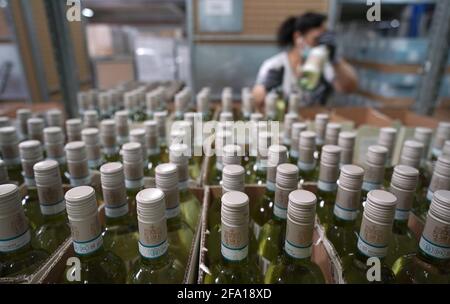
[(86, 234), (281, 202), (116, 211), (326, 186), (15, 243), (234, 242), (347, 204), (153, 239), (435, 240), (404, 202), (88, 247), (373, 238), (298, 242)]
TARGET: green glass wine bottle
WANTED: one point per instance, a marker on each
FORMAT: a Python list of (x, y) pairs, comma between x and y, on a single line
[(17, 255), (54, 229), (73, 129), (439, 181), (96, 265), (77, 164), (90, 119), (289, 120), (271, 237), (320, 127), (54, 148), (271, 106), (9, 148), (424, 136), (122, 127), (156, 264), (153, 149), (367, 263), (297, 128), (307, 162), (30, 154), (202, 100), (138, 136), (295, 265), (247, 103), (431, 263), (189, 204), (235, 267), (22, 116), (343, 233), (194, 122), (261, 211), (120, 234), (35, 127), (411, 156), (91, 139), (264, 142), (374, 169), (442, 134), (134, 171), (180, 234), (387, 138), (152, 101), (222, 139), (108, 141), (403, 186), (347, 143), (252, 151), (326, 185), (332, 132), (161, 118)]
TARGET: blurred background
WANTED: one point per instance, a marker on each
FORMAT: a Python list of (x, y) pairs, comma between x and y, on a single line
[(402, 61)]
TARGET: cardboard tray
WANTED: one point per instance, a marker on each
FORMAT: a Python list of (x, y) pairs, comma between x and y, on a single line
[(323, 253), (54, 269), (364, 116)]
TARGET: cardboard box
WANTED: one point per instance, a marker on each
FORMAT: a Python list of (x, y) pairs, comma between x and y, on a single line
[(323, 253), (410, 119), (55, 268), (364, 116)]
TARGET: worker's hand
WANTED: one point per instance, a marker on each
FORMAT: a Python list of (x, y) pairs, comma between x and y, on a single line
[(273, 79), (329, 40)]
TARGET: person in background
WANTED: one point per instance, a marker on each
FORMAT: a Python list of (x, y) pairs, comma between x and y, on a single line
[(296, 37)]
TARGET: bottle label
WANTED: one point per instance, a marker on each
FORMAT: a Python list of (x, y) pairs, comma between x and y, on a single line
[(369, 186), (306, 166), (54, 151), (94, 163), (404, 202), (347, 203), (294, 153), (327, 186), (134, 184), (86, 234), (281, 202), (76, 182), (373, 238), (438, 182), (234, 242), (435, 240), (299, 237), (10, 153), (133, 171), (172, 199), (78, 170), (15, 243), (373, 174), (116, 211), (328, 174), (153, 239), (306, 156)]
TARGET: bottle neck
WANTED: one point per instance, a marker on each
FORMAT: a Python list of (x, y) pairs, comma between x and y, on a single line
[(158, 262), (290, 260), (400, 227)]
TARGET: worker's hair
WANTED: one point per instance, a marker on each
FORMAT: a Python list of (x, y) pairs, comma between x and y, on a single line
[(302, 24)]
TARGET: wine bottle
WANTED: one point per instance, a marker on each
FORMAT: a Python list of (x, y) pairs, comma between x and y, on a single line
[(347, 143), (431, 263), (84, 102), (22, 116), (326, 185), (120, 234), (261, 210), (294, 103), (180, 104), (411, 155), (424, 136), (332, 133), (247, 103), (96, 264), (122, 127), (297, 128), (138, 136), (271, 106), (9, 147), (194, 122), (91, 139), (180, 234), (77, 164), (374, 169), (105, 105), (403, 186), (153, 149), (4, 178), (54, 118), (320, 126), (202, 100), (189, 204), (442, 134), (152, 100), (439, 181), (227, 101), (36, 129), (17, 255), (366, 264), (289, 120), (108, 141), (54, 229), (73, 129), (30, 154), (264, 142), (235, 266), (134, 170), (343, 231), (160, 118), (156, 264), (131, 103), (295, 265), (226, 116), (271, 238), (446, 149), (222, 139), (250, 158), (307, 162), (90, 119), (387, 139), (54, 147)]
